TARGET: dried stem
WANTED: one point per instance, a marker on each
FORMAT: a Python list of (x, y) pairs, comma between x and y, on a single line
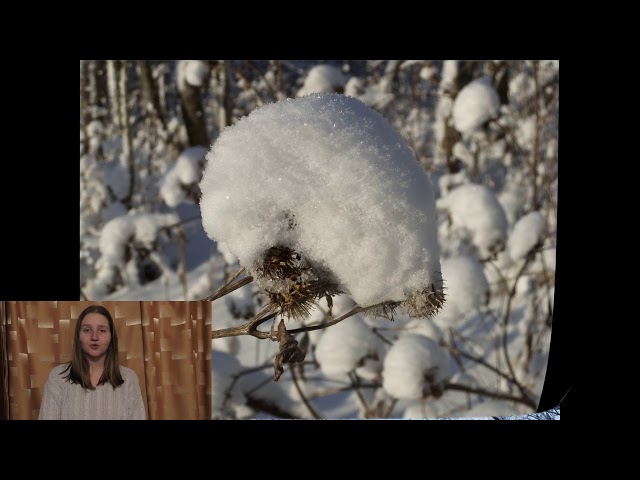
[(489, 393), (337, 320), (356, 387), (480, 361), (505, 324), (182, 266), (302, 395), (390, 408), (380, 336), (249, 328), (227, 287), (267, 82)]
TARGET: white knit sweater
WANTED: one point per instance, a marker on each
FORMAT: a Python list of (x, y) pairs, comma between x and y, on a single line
[(63, 400)]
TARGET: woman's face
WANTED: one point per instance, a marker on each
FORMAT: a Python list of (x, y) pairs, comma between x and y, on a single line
[(95, 336)]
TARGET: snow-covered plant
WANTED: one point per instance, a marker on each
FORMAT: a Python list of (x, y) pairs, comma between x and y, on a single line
[(322, 79), (415, 367), (476, 104), (320, 195), (476, 217), (128, 251), (489, 333), (182, 178), (311, 193)]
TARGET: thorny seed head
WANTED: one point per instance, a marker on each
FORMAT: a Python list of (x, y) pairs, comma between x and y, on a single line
[(426, 302), (292, 283)]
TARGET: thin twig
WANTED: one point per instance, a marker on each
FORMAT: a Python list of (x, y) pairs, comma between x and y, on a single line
[(229, 280), (268, 83), (380, 336), (389, 411), (263, 405), (356, 384), (302, 396), (259, 386), (489, 393), (239, 284), (227, 287), (505, 324), (249, 82), (480, 361), (182, 266), (355, 311)]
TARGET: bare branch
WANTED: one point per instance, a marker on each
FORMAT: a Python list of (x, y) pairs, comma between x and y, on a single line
[(228, 287), (490, 393), (505, 324), (249, 328), (302, 396), (354, 311), (182, 265), (356, 384), (263, 405)]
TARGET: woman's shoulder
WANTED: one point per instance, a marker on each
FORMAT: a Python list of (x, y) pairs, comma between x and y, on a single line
[(127, 372), (58, 370)]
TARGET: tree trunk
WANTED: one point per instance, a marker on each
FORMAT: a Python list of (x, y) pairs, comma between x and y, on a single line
[(445, 135), (84, 103), (224, 110), (102, 90), (114, 96), (127, 151), (193, 113), (150, 92)]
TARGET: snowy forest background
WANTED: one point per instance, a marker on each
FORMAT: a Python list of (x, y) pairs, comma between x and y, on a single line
[(145, 128)]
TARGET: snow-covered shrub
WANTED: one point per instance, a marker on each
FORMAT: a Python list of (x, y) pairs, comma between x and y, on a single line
[(319, 195)]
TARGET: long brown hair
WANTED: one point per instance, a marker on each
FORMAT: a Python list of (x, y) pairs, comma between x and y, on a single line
[(78, 368)]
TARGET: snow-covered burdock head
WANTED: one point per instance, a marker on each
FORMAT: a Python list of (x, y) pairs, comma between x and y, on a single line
[(319, 195)]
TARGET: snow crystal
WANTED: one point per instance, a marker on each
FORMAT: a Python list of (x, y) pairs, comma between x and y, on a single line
[(329, 177)]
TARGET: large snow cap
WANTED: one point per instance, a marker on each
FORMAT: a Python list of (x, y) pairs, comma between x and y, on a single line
[(329, 177)]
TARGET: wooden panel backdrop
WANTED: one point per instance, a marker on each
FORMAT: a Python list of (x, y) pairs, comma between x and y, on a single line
[(167, 344)]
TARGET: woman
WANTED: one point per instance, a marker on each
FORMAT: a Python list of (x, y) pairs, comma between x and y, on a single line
[(93, 386)]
